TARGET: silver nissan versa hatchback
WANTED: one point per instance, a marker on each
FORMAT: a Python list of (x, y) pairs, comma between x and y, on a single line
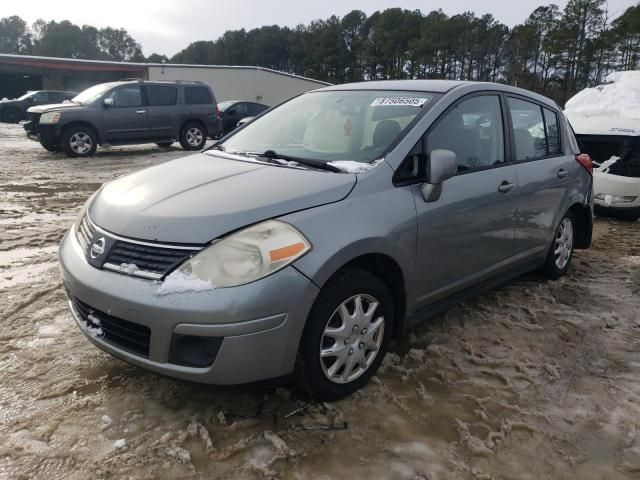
[(306, 240)]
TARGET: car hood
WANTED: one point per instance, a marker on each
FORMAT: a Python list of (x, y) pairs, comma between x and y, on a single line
[(201, 197), (54, 106)]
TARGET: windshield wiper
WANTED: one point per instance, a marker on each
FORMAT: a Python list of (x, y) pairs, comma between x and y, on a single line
[(304, 161)]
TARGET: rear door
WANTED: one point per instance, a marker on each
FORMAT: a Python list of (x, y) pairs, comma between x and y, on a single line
[(544, 172), (126, 120), (467, 235), (164, 119)]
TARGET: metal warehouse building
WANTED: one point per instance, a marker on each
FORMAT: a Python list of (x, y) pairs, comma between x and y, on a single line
[(19, 73)]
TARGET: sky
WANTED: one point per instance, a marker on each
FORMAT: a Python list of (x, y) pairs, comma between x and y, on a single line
[(168, 26)]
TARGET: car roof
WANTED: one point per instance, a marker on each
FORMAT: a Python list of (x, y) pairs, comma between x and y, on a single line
[(437, 86), (129, 81)]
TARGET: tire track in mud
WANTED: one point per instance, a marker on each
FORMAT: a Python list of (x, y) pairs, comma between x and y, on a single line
[(532, 380)]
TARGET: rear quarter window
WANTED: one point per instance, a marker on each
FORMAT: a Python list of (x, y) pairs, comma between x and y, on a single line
[(197, 96)]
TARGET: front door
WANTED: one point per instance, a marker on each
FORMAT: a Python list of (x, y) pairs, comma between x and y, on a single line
[(468, 234), (233, 115), (125, 120)]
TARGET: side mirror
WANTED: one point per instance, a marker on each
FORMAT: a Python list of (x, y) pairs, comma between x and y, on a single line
[(109, 102), (443, 164), (32, 99)]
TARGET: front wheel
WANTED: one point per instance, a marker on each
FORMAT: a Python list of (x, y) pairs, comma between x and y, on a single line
[(193, 136), (561, 251), (346, 336), (79, 142)]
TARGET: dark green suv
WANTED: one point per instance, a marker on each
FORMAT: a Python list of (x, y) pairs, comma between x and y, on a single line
[(128, 112)]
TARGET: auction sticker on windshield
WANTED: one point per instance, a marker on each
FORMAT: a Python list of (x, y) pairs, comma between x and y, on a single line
[(403, 101)]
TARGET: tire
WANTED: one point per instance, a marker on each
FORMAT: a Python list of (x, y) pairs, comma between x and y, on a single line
[(79, 141), (193, 136), (164, 144), (561, 250), (11, 116), (52, 147), (336, 376)]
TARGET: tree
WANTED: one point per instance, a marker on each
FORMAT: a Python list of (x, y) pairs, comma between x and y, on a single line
[(157, 58), (117, 44), (14, 36)]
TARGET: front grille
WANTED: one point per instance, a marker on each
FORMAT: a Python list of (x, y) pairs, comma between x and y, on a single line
[(85, 232), (154, 260), (131, 257), (129, 336)]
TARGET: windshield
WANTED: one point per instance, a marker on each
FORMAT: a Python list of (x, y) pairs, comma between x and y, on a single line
[(222, 106), (91, 94), (26, 95), (332, 125)]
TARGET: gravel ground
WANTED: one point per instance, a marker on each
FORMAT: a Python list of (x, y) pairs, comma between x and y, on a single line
[(532, 380)]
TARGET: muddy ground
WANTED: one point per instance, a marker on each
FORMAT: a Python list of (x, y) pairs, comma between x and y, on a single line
[(532, 380)]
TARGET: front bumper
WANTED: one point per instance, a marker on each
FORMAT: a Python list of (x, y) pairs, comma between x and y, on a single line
[(259, 324), (610, 184), (43, 133)]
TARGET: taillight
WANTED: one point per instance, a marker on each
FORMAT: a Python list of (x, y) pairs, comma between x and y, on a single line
[(585, 160), (218, 114)]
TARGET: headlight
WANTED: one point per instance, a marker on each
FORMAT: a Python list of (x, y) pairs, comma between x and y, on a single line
[(247, 255), (50, 117), (609, 199)]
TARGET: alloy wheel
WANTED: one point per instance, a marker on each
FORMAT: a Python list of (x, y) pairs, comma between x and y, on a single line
[(194, 136), (351, 339), (80, 143), (563, 243)]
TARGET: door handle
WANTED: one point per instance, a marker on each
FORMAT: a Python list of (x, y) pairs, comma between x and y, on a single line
[(140, 112), (505, 187), (562, 173)]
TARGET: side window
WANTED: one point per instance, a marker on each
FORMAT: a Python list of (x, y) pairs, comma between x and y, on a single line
[(129, 96), (412, 167), (57, 97), (528, 129), (197, 96), (553, 137), (41, 97), (473, 130), (240, 109), (161, 95), (255, 109)]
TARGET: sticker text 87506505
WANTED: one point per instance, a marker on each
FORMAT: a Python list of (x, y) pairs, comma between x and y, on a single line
[(402, 101)]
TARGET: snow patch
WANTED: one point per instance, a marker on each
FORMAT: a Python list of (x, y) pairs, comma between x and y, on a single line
[(620, 97), (95, 332), (182, 282), (349, 166), (606, 165), (120, 444), (129, 268)]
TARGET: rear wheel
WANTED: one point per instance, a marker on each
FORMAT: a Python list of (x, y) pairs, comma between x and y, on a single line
[(11, 116), (164, 144), (79, 141), (561, 251), (193, 136), (346, 336)]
